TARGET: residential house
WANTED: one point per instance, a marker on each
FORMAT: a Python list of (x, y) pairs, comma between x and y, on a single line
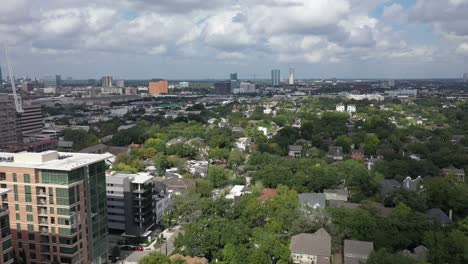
[(313, 200), (295, 151), (337, 195), (65, 146), (267, 194), (198, 168), (357, 154), (419, 253), (311, 248), (357, 252), (389, 185), (177, 186), (176, 141), (439, 216), (340, 107), (370, 163), (343, 204), (412, 185), (243, 143), (452, 171), (335, 153), (351, 108), (236, 192)]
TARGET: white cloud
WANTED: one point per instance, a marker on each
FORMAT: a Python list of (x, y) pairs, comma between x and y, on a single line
[(264, 32)]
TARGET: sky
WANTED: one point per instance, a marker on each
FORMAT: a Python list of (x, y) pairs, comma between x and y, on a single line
[(198, 39)]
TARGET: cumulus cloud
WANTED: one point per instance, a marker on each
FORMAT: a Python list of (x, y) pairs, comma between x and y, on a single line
[(279, 31)]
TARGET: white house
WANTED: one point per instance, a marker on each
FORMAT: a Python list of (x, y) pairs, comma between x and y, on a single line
[(236, 192), (340, 107), (351, 108)]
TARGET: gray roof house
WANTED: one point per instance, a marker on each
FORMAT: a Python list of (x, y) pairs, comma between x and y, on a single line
[(175, 141), (357, 252), (295, 151), (335, 153), (336, 194), (388, 186), (437, 215), (314, 200), (311, 248), (451, 171), (412, 185)]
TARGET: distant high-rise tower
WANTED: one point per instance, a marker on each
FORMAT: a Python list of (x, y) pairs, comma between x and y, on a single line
[(1, 77), (291, 75), (465, 77), (234, 76), (275, 77), (58, 80), (106, 81), (120, 83)]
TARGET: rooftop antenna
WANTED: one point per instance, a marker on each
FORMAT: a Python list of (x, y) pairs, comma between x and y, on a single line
[(18, 104)]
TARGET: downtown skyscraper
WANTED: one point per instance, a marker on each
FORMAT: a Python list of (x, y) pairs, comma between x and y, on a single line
[(275, 77)]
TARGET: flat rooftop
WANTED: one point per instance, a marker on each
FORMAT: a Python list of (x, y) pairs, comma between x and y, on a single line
[(50, 160)]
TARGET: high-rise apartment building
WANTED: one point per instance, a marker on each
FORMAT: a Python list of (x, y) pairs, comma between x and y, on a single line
[(31, 120), (291, 76), (465, 77), (158, 87), (136, 203), (235, 83), (10, 131), (1, 77), (6, 246), (60, 206), (222, 88), (106, 81), (275, 77)]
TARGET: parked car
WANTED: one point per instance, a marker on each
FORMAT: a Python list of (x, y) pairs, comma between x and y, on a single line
[(132, 248)]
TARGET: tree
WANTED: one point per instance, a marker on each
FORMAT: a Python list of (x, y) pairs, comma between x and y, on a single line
[(370, 144), (236, 158), (80, 138), (382, 256), (208, 237), (345, 142), (217, 175), (204, 187), (155, 258)]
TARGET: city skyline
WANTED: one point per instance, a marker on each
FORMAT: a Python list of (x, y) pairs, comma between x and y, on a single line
[(206, 39)]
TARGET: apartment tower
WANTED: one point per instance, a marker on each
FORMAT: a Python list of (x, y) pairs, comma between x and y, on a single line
[(6, 246), (58, 206)]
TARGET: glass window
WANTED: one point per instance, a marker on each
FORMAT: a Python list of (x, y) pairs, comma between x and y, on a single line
[(7, 244), (15, 190), (18, 227), (17, 207), (29, 208), (30, 218), (18, 217), (51, 210), (62, 211), (27, 178), (31, 228), (15, 178)]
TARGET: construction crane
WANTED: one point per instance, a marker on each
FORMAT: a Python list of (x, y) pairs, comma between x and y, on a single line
[(18, 104)]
